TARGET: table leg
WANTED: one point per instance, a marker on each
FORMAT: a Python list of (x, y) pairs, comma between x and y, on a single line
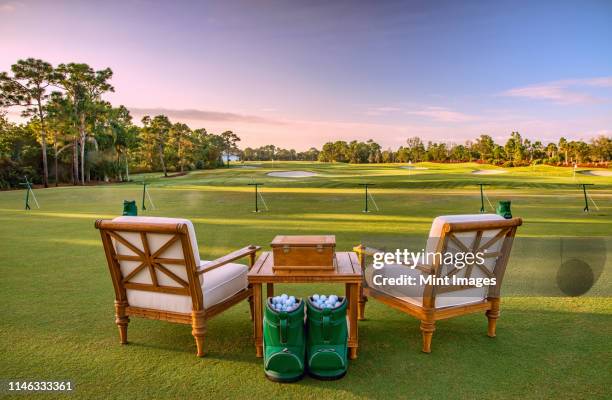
[(352, 293), (362, 303), (269, 289), (258, 319)]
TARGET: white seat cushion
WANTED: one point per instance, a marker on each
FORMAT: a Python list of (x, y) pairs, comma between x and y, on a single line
[(223, 282), (414, 294), (410, 294), (217, 285)]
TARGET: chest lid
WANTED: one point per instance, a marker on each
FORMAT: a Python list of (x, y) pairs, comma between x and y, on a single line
[(304, 241)]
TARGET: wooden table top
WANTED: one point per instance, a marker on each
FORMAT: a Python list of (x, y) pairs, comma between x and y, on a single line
[(347, 270)]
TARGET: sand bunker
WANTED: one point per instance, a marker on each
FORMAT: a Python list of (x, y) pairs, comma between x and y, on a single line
[(489, 171), (248, 166), (596, 172), (292, 174), (415, 168)]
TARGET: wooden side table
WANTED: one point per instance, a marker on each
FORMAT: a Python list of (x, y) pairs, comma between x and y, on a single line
[(348, 271)]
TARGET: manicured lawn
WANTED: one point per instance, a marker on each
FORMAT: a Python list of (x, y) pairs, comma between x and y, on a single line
[(58, 323)]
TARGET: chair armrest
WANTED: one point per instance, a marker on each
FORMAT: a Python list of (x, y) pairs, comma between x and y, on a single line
[(362, 251), (428, 269), (366, 251), (228, 258)]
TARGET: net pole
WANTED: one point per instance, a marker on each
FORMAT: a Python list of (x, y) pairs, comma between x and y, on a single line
[(144, 192), (257, 196), (482, 209), (27, 197)]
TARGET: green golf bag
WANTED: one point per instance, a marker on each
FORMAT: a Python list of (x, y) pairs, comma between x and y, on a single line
[(327, 340), (284, 345), (129, 208), (503, 209)]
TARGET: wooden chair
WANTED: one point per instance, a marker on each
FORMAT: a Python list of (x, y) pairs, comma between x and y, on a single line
[(487, 233), (157, 273)]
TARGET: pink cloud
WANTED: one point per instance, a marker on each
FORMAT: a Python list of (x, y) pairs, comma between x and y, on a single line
[(443, 114), (9, 6), (568, 91)]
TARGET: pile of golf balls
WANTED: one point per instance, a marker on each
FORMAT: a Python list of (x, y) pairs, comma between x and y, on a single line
[(322, 301), (285, 303)]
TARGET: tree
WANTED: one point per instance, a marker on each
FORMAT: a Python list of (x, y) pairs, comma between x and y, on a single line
[(341, 150), (564, 148), (124, 136), (374, 156), (601, 148), (580, 151), (155, 133), (437, 152), (357, 152), (515, 148), (62, 128), (28, 88), (485, 145), (180, 139), (415, 149), (84, 87), (229, 139), (551, 151), (388, 156), (327, 153), (536, 151)]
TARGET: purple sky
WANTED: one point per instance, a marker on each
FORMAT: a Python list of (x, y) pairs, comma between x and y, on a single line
[(299, 73)]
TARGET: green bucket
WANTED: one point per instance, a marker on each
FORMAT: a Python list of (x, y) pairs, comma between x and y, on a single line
[(129, 208), (503, 209), (284, 344), (327, 341)]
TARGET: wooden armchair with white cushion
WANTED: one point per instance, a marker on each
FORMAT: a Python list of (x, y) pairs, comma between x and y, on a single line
[(157, 273), (488, 234)]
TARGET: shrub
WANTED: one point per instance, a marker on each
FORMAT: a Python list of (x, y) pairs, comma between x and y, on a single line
[(12, 173)]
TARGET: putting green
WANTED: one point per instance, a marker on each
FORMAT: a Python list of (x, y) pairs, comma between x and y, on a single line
[(57, 320)]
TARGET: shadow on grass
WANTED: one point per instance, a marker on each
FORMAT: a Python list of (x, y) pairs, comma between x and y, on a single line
[(536, 354)]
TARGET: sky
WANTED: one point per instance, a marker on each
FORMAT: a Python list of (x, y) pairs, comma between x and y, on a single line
[(300, 73)]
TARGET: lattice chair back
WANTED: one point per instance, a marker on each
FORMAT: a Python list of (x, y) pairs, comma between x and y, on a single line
[(487, 237), (154, 262)]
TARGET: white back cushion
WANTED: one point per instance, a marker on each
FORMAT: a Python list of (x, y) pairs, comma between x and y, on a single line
[(155, 300), (156, 240), (467, 239)]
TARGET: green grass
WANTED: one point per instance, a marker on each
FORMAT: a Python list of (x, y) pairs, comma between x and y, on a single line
[(57, 319)]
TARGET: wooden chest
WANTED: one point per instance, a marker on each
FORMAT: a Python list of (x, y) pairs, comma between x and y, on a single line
[(303, 252)]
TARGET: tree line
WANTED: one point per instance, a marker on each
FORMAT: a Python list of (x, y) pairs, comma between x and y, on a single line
[(87, 138), (517, 151)]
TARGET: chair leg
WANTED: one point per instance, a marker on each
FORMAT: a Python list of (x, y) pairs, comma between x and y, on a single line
[(492, 316), (198, 330), (427, 330), (122, 320)]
